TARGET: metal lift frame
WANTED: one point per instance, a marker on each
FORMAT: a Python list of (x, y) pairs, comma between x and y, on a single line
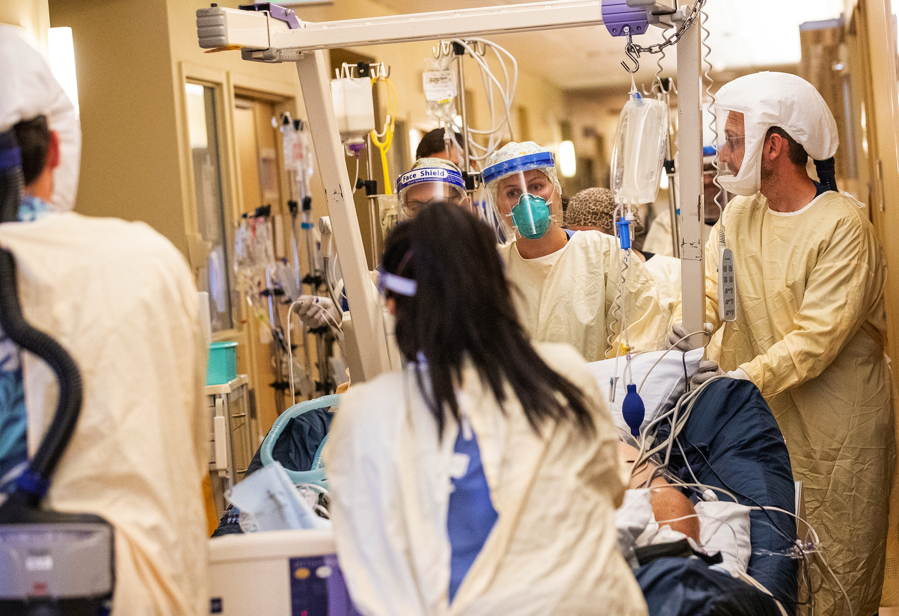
[(274, 34)]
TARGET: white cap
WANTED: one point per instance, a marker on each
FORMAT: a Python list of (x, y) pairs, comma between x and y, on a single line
[(28, 90)]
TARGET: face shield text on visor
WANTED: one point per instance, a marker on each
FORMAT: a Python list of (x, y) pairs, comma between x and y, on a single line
[(420, 187), (523, 194)]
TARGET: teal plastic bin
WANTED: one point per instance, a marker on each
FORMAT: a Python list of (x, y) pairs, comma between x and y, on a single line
[(222, 366)]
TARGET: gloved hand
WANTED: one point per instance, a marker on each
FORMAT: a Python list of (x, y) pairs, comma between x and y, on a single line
[(707, 369), (312, 310), (676, 337)]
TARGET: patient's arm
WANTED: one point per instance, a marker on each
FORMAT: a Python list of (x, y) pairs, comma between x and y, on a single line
[(667, 502)]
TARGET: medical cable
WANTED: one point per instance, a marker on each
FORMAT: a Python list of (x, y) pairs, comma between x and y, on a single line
[(667, 522), (733, 493), (678, 422), (697, 486), (713, 123), (507, 94), (675, 419), (764, 510), (689, 468), (617, 313), (293, 393), (332, 324), (817, 552), (672, 348)]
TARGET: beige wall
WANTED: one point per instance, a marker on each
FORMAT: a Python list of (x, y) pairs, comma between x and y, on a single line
[(876, 83), (33, 16), (132, 57), (129, 160)]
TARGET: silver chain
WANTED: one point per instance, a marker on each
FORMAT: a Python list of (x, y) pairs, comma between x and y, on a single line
[(669, 40)]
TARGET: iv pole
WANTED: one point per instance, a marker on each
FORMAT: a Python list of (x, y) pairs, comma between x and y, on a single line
[(273, 34)]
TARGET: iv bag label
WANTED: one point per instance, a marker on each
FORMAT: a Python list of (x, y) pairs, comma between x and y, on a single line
[(317, 588), (440, 86)]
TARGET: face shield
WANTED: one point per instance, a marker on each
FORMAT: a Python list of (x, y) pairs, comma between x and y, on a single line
[(429, 182), (747, 107), (739, 155), (524, 192)]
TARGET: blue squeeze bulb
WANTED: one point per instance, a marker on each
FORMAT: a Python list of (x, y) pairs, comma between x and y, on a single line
[(633, 410)]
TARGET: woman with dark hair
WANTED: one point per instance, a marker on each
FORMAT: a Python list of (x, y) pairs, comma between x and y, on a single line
[(482, 479)]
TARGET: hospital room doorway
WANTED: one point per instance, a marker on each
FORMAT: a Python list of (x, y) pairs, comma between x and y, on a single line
[(262, 191)]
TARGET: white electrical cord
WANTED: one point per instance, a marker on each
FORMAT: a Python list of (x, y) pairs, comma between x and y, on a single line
[(816, 552), (335, 329), (507, 95), (293, 392)]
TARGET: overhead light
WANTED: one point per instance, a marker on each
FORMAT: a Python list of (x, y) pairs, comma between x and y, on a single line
[(62, 62), (567, 159)]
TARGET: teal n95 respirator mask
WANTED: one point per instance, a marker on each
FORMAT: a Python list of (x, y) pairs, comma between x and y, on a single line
[(531, 216)]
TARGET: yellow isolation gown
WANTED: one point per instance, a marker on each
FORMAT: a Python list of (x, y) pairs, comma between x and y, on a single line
[(810, 333), (576, 302)]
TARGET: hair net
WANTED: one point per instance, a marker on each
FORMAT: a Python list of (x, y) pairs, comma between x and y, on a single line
[(502, 163), (595, 207), (28, 90), (775, 99)]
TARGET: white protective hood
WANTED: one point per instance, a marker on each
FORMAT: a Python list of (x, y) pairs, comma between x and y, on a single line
[(27, 90), (774, 99)]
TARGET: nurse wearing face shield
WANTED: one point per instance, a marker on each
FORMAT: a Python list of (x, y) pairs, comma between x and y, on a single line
[(810, 325), (430, 180), (568, 282)]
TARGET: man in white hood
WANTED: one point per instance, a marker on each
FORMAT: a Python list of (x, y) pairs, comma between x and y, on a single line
[(810, 324), (121, 300)]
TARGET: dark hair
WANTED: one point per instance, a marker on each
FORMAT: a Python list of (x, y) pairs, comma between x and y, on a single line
[(433, 143), (34, 142), (463, 309), (797, 153)]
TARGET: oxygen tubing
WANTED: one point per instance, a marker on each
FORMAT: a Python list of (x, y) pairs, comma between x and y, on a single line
[(35, 481)]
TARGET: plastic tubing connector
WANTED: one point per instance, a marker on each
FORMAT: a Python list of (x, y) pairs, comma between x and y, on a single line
[(624, 233)]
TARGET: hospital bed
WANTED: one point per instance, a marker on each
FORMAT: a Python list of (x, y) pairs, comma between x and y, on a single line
[(731, 443)]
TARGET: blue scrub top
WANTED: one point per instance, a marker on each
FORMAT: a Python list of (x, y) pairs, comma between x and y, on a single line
[(13, 420), (471, 515)]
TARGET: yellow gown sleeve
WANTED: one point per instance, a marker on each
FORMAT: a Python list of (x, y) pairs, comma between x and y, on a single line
[(834, 307), (642, 309)]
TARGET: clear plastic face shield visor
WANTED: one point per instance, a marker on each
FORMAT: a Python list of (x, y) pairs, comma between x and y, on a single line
[(523, 196), (731, 141), (419, 188)]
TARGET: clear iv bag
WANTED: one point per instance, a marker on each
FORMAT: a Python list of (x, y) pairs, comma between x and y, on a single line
[(639, 150)]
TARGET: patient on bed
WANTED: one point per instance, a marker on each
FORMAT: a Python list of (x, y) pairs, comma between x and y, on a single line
[(667, 502)]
